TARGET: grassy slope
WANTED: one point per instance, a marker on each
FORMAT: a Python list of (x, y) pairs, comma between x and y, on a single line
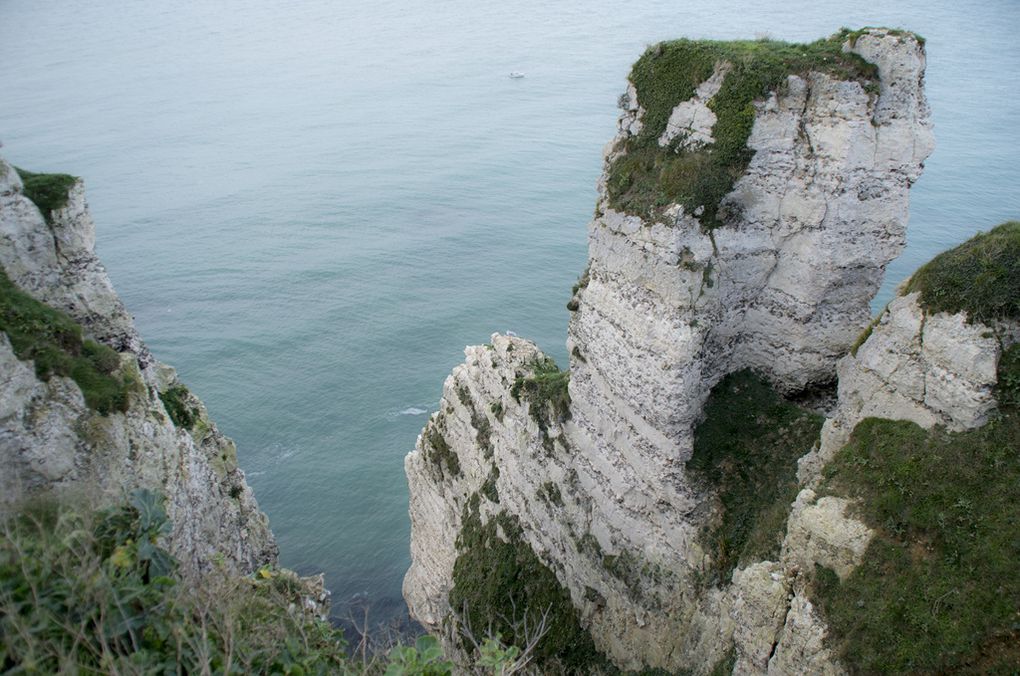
[(647, 177), (939, 589), (980, 277), (54, 342)]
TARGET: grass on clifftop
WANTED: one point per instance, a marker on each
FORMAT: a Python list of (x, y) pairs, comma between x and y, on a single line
[(980, 277), (939, 589), (48, 191), (746, 449), (647, 177), (54, 342)]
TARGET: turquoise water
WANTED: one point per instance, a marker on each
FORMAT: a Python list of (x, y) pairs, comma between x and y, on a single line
[(311, 207)]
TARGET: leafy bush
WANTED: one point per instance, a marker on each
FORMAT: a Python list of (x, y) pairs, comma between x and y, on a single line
[(54, 342), (96, 593), (175, 400)]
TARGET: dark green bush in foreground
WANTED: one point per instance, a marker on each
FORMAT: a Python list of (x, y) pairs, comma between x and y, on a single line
[(95, 593)]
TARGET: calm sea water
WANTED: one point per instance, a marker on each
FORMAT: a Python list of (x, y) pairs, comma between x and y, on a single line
[(311, 206)]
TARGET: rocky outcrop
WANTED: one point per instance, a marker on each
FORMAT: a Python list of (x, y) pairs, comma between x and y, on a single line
[(52, 440), (667, 307)]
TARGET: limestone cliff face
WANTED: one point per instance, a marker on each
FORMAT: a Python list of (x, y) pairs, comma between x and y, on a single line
[(665, 310), (50, 439)]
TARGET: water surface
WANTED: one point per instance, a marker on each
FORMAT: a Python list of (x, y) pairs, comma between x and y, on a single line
[(310, 206)]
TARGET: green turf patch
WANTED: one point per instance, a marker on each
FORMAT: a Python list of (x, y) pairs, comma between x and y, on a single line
[(49, 192), (645, 178), (980, 277), (746, 450), (53, 341), (176, 402), (939, 588)]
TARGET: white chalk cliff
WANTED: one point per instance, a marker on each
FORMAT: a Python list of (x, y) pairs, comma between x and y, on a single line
[(51, 440), (665, 310)]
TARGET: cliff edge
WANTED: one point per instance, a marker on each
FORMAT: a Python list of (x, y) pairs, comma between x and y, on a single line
[(670, 498), (85, 408)]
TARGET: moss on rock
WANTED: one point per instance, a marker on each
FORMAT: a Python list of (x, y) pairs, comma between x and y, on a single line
[(497, 574)]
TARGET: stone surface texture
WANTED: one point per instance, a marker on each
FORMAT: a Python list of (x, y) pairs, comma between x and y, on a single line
[(666, 309), (51, 441)]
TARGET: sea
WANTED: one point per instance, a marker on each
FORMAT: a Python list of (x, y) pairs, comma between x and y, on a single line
[(311, 206)]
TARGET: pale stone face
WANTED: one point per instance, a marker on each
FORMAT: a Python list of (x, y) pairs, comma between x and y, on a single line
[(50, 440), (668, 310)]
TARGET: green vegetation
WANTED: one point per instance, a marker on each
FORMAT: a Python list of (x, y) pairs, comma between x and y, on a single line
[(746, 450), (646, 177), (865, 334), (49, 192), (94, 592), (496, 577), (489, 489), (549, 493), (980, 277), (939, 589), (439, 453), (545, 389), (175, 400), (54, 342)]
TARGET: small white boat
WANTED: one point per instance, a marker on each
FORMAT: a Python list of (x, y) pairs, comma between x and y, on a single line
[(516, 75)]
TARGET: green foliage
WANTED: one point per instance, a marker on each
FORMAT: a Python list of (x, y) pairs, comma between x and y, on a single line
[(980, 277), (175, 400), (84, 592), (49, 192), (495, 576), (549, 493), (865, 334), (546, 389), (746, 450), (488, 488), (424, 658), (852, 36), (439, 453), (646, 177), (54, 342), (1008, 389), (939, 589)]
